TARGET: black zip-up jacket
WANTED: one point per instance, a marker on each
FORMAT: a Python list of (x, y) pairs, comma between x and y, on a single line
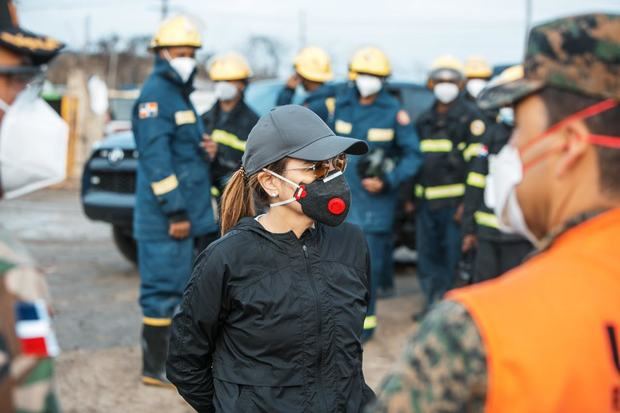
[(230, 131), (272, 323)]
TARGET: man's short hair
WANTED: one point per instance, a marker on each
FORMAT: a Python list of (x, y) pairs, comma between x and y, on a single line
[(561, 103)]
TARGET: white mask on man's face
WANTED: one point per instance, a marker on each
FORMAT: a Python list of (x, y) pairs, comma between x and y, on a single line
[(446, 92), (184, 66), (225, 91), (368, 85), (33, 145), (475, 86)]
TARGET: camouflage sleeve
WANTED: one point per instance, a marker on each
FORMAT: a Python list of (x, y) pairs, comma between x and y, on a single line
[(443, 367)]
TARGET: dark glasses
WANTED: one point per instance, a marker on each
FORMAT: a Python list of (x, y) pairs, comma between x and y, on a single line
[(321, 168)]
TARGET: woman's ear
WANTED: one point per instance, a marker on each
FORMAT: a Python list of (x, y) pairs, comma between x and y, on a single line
[(269, 183), (575, 136)]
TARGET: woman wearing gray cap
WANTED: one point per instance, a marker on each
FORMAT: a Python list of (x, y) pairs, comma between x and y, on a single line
[(272, 316)]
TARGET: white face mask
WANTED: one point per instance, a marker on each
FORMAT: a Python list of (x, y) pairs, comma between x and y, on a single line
[(225, 91), (505, 173), (33, 145), (475, 86), (446, 92), (368, 85), (507, 116), (184, 66)]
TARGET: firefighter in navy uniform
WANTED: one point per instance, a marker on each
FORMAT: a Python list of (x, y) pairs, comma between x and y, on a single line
[(173, 214), (477, 74), (449, 131), (230, 120), (497, 252), (313, 70), (367, 111)]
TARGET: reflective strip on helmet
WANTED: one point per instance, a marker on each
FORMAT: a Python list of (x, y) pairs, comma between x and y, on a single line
[(166, 185), (436, 145), (370, 322), (472, 151), (477, 180), (486, 219), (228, 139), (444, 191)]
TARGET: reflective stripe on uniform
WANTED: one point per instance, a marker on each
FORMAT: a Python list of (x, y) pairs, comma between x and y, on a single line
[(215, 192), (440, 192), (419, 191), (330, 104), (370, 322), (486, 219), (472, 151), (436, 145), (228, 139), (477, 180), (165, 185), (156, 322)]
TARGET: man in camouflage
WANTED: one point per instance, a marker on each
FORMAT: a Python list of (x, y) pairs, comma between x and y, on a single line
[(482, 348), (26, 380)]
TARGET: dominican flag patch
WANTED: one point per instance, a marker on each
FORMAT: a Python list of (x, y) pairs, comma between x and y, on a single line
[(148, 110), (34, 329), (483, 151)]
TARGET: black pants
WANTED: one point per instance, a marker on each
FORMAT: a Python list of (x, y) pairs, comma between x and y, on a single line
[(496, 257)]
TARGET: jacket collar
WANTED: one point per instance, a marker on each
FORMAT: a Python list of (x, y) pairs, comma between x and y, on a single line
[(164, 70)]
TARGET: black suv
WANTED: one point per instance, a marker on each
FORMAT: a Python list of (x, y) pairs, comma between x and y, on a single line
[(109, 178)]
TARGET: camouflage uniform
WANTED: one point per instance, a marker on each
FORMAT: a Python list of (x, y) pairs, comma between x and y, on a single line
[(30, 377), (444, 368)]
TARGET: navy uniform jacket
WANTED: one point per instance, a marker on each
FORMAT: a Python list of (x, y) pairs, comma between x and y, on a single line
[(385, 125), (320, 101), (173, 181)]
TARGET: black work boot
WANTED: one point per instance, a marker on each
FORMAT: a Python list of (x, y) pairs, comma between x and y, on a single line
[(154, 353)]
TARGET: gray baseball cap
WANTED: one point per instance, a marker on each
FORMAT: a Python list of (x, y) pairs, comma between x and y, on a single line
[(297, 132)]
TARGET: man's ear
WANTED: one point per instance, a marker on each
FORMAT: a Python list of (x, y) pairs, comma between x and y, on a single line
[(575, 145), (269, 183)]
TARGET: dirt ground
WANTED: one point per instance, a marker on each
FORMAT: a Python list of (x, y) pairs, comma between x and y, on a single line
[(97, 317)]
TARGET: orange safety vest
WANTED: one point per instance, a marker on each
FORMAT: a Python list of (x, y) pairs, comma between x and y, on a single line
[(551, 327)]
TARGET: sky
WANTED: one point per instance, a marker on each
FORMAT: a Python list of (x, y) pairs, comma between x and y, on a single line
[(411, 32)]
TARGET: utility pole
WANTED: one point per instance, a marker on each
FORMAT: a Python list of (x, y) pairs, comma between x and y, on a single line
[(86, 33), (302, 29), (528, 18), (164, 9)]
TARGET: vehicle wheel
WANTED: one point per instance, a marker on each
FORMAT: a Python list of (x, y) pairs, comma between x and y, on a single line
[(125, 243)]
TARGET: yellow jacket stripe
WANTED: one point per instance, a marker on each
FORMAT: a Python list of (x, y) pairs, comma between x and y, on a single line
[(472, 151), (440, 192), (486, 219), (166, 185), (436, 145), (370, 322), (156, 322), (477, 180), (225, 138)]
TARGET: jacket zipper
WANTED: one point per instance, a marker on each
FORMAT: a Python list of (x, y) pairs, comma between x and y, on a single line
[(319, 337)]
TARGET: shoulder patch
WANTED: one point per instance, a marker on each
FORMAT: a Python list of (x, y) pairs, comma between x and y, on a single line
[(184, 117), (148, 110), (402, 117), (477, 127)]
